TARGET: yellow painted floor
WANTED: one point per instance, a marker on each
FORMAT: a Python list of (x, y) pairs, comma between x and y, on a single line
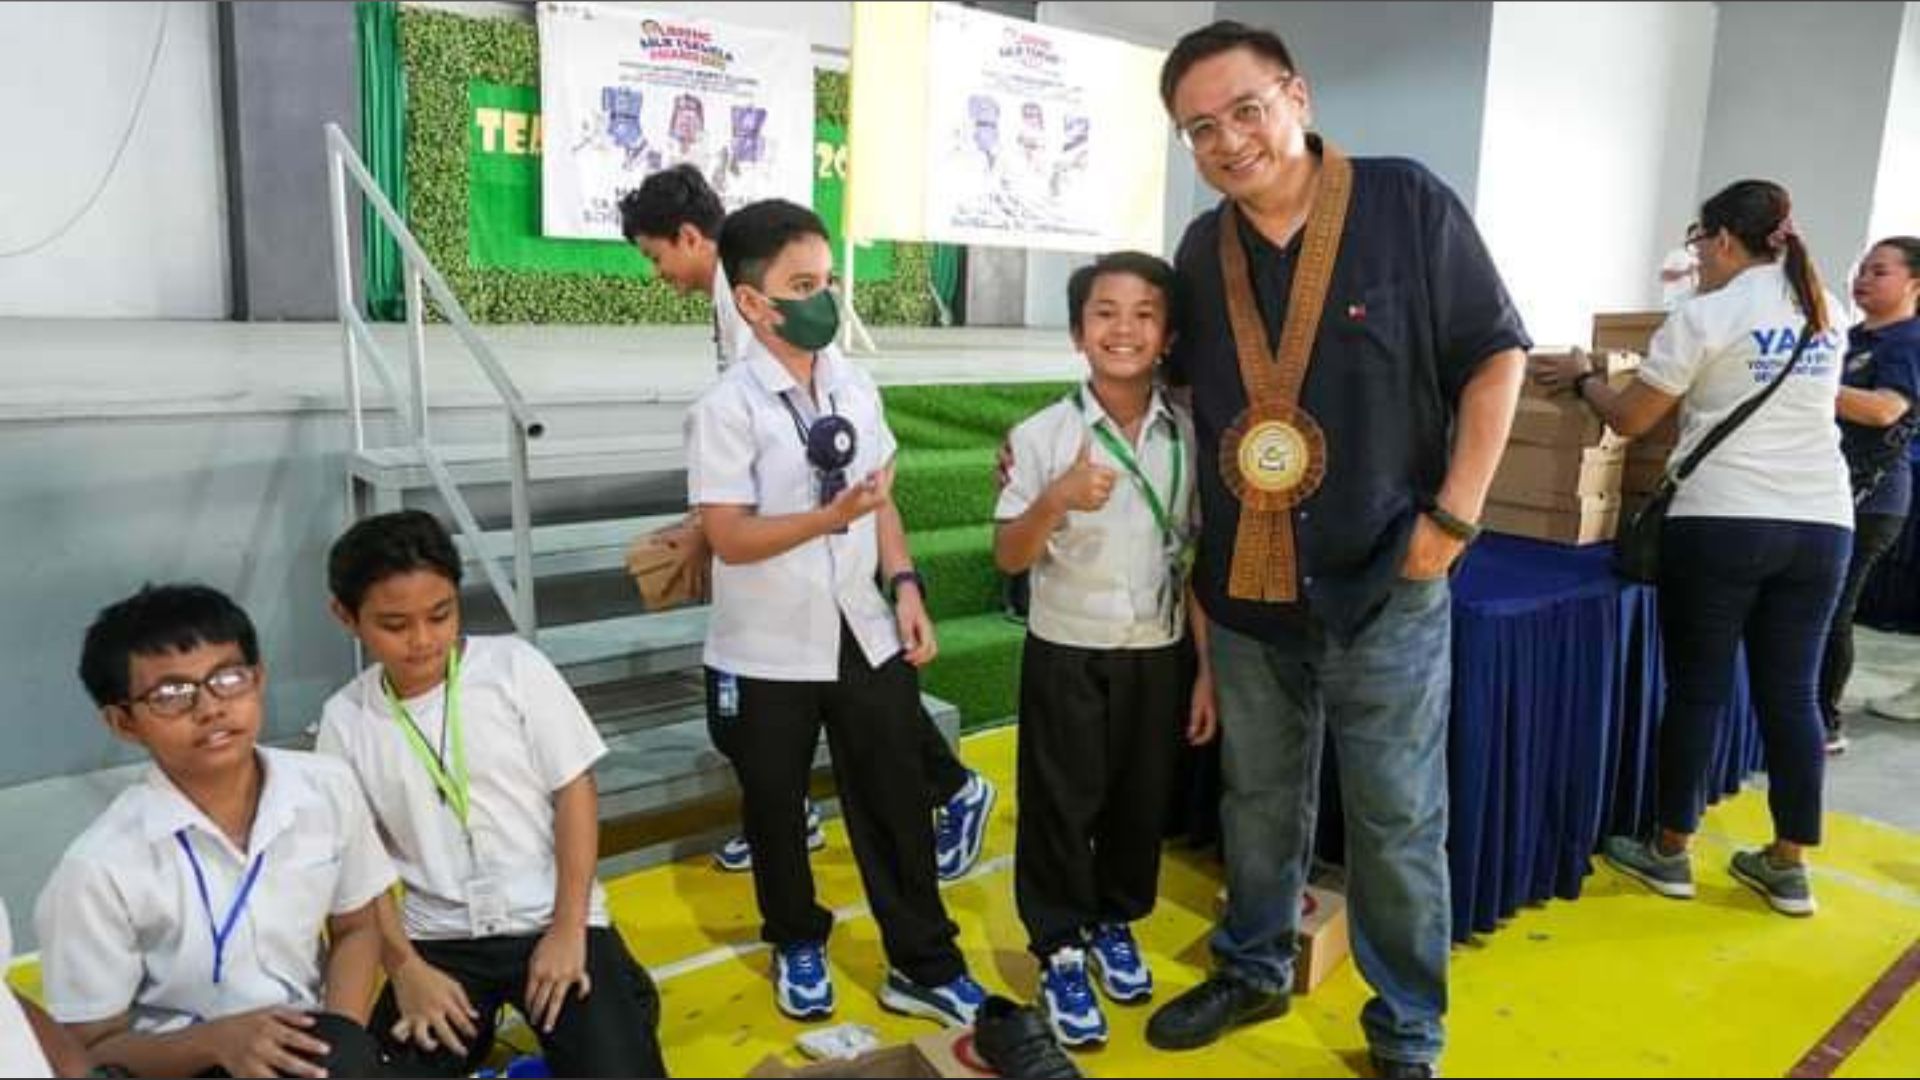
[(1618, 983)]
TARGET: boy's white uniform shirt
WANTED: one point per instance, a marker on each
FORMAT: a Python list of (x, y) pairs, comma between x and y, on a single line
[(123, 926), (1720, 348), (20, 1053), (779, 618), (527, 736), (1105, 580)]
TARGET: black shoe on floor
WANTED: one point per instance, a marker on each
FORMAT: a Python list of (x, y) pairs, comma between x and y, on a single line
[(1389, 1069), (1014, 1039), (1204, 1013)]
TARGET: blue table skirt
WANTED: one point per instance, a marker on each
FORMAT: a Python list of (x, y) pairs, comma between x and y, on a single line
[(1891, 599), (1557, 689)]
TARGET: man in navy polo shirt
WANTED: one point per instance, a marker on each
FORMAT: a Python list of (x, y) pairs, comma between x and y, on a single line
[(1339, 483)]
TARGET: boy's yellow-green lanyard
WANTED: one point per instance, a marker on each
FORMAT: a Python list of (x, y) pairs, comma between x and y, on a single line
[(1118, 448), (450, 778)]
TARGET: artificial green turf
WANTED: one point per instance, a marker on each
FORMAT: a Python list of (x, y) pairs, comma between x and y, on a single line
[(945, 489), (978, 668)]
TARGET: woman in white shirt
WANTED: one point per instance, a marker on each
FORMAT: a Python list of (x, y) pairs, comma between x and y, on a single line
[(1757, 540)]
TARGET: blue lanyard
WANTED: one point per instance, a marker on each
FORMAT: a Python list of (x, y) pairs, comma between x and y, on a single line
[(222, 931)]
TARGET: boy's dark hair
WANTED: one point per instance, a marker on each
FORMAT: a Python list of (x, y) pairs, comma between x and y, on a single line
[(1214, 39), (667, 200), (387, 545), (755, 235), (1148, 268), (1757, 214), (158, 619)]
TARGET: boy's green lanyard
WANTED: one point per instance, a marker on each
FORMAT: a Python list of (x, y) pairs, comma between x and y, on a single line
[(1118, 448), (449, 777)]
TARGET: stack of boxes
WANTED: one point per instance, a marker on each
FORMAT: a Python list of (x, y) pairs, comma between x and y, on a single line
[(1646, 455), (1566, 477)]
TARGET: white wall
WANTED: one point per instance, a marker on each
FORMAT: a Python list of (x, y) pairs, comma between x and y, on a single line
[(1156, 26), (1390, 79), (1896, 191), (1587, 166), (155, 244), (1800, 97)]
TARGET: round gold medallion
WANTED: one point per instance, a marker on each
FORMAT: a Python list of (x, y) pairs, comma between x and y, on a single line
[(1273, 458)]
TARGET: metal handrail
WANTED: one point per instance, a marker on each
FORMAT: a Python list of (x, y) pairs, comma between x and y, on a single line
[(357, 339)]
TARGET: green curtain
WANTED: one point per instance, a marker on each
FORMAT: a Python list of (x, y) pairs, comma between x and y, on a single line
[(383, 145), (943, 273)]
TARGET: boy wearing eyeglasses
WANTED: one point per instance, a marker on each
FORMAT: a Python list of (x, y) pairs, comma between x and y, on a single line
[(790, 461), (477, 761), (182, 932)]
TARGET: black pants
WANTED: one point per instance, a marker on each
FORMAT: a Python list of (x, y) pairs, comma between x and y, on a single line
[(351, 1049), (1873, 536), (1100, 732), (945, 774), (613, 1032), (1771, 584), (877, 735)]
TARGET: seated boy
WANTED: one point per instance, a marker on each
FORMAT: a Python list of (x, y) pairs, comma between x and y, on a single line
[(182, 932), (477, 760), (790, 461), (1099, 505)]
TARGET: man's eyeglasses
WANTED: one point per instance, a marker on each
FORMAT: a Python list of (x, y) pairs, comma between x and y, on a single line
[(1247, 116), (178, 697), (1697, 234)]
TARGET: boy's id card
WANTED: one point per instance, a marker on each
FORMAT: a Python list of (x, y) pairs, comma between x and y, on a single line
[(486, 906)]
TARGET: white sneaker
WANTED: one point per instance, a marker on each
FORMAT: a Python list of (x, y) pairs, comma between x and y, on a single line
[(1904, 706)]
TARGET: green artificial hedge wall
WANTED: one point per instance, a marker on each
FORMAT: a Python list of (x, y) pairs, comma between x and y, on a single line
[(440, 54)]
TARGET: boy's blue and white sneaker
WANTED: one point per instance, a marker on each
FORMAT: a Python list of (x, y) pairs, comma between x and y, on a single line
[(962, 827), (953, 1004), (736, 855), (1066, 998), (802, 985), (1117, 962)]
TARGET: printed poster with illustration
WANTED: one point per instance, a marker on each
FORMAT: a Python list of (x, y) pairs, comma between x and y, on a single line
[(627, 92), (1026, 135)]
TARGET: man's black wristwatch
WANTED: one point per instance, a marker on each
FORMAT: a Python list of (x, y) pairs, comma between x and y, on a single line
[(1457, 527)]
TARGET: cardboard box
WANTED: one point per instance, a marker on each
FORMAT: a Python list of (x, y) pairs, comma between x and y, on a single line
[(1556, 478), (1628, 330), (1595, 522), (946, 1053), (1323, 938), (1560, 421), (1617, 365), (1324, 944)]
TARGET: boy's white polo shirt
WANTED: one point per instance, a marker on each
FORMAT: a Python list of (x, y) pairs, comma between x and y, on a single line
[(780, 618), (20, 1053), (527, 736), (1101, 581), (123, 928)]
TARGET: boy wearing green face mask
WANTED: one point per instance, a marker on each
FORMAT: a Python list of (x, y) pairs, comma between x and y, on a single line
[(791, 464)]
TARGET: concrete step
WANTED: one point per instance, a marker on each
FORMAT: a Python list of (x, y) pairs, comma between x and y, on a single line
[(631, 647), (582, 547), (401, 468)]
